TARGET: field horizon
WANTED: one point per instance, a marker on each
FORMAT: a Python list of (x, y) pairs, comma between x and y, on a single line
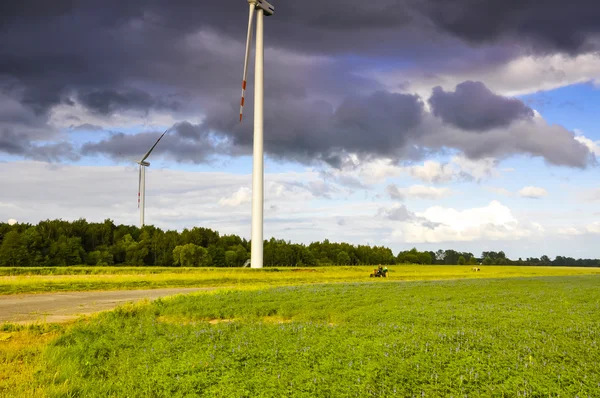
[(21, 280)]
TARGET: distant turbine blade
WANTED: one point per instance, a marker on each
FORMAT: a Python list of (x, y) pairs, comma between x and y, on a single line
[(248, 43), (151, 149)]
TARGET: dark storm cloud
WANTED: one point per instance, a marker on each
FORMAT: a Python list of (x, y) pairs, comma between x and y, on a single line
[(374, 26), (53, 48), (86, 127), (102, 52), (19, 144), (184, 58), (379, 124), (473, 107), (343, 24), (535, 137), (190, 146), (301, 130), (382, 124), (547, 26), (34, 8), (20, 128), (110, 101)]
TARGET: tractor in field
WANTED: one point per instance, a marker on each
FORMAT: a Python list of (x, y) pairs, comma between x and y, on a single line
[(379, 272)]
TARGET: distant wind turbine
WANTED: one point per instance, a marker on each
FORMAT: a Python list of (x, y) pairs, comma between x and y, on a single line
[(142, 180), (264, 9)]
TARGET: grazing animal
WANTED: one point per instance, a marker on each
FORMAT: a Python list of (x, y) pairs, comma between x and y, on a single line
[(475, 269)]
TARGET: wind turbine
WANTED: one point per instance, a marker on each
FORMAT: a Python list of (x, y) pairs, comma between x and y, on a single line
[(142, 180), (263, 9)]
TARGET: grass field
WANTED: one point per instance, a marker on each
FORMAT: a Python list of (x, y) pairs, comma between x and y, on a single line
[(504, 331), (21, 358), (37, 280), (481, 337)]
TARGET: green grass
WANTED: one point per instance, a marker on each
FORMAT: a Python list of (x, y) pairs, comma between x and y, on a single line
[(478, 337), (40, 280), (21, 357)]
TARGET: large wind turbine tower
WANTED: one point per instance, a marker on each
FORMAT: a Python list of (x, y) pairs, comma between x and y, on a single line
[(262, 9), (142, 180)]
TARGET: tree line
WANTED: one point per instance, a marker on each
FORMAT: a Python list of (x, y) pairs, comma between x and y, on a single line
[(64, 243)]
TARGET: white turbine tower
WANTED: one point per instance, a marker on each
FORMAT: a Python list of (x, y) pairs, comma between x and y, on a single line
[(263, 8), (142, 180)]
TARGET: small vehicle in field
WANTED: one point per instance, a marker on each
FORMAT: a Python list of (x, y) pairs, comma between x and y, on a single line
[(380, 272)]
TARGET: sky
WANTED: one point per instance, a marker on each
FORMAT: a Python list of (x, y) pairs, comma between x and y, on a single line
[(415, 123)]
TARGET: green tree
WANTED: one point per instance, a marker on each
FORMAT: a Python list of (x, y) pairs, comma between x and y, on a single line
[(231, 258), (37, 249), (190, 255), (461, 260), (241, 255), (100, 257), (425, 258), (177, 255), (134, 253), (66, 251), (343, 258), (217, 256), (12, 252), (202, 257)]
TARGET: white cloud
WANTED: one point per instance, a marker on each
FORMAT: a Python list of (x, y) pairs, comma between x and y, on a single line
[(378, 170), (174, 199), (594, 228), (477, 169), (525, 75), (533, 192), (459, 168), (65, 116), (589, 229), (12, 221), (417, 191), (363, 174), (593, 146), (360, 174), (432, 171), (242, 195), (439, 224), (570, 231), (294, 206)]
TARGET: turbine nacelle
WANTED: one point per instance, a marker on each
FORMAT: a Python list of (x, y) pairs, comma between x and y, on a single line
[(143, 163), (263, 5)]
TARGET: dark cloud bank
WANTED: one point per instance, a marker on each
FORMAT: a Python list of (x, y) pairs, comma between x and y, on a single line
[(184, 57)]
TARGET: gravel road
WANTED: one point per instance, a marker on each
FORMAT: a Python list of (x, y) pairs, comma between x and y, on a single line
[(60, 307)]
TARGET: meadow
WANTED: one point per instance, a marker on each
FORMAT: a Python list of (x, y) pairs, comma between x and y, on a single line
[(60, 279), (478, 337), (326, 331)]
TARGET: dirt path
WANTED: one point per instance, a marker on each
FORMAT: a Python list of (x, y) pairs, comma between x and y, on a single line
[(59, 307)]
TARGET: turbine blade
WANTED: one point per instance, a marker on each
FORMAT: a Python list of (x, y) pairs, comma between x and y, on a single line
[(153, 146), (139, 184), (248, 44)]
